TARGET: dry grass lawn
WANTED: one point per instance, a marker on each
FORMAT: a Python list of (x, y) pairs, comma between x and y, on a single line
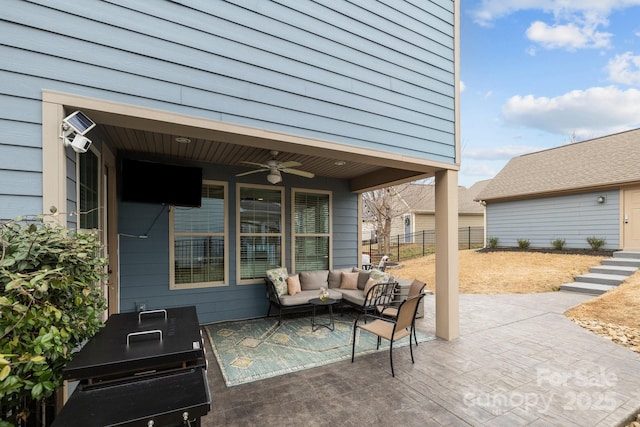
[(528, 272), (503, 272), (618, 306)]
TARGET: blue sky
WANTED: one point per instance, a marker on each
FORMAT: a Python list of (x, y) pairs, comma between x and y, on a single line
[(537, 74)]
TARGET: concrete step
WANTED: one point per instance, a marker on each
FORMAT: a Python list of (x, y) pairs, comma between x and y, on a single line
[(627, 262), (613, 269), (602, 279), (627, 254), (586, 288)]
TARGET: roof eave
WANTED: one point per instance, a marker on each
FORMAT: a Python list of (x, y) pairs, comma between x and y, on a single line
[(554, 193)]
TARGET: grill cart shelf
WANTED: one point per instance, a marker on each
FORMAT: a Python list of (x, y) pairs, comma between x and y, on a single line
[(143, 369)]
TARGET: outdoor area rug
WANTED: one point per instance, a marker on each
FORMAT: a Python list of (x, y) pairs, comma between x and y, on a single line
[(256, 349)]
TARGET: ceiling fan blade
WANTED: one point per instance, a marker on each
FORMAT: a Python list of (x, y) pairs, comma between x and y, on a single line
[(285, 165), (260, 165), (299, 173), (253, 171)]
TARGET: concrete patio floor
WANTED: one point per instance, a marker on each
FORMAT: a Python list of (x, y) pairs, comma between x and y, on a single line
[(519, 362)]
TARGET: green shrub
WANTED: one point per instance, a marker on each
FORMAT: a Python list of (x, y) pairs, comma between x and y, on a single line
[(558, 244), (596, 243), (492, 242), (49, 304), (523, 243)]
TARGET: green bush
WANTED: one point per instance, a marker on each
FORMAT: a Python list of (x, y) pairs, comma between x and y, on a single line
[(596, 243), (558, 244), (50, 302), (492, 242), (523, 243)]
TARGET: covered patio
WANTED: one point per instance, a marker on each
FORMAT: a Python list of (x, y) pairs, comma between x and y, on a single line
[(519, 361)]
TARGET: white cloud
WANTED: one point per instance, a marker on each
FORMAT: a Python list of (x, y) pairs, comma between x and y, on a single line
[(625, 69), (591, 112), (575, 23), (478, 169), (491, 10), (462, 86), (498, 153), (569, 36)]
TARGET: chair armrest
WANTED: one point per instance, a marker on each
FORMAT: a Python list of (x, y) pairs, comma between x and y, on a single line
[(272, 294)]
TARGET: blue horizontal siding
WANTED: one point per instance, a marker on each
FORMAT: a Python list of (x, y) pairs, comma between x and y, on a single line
[(19, 134), (571, 217), (277, 67), (19, 205), (26, 159), (21, 183)]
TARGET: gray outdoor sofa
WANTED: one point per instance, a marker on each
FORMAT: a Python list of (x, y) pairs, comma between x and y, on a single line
[(312, 281)]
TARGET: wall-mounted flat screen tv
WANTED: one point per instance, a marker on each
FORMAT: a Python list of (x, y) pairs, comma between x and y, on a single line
[(159, 183)]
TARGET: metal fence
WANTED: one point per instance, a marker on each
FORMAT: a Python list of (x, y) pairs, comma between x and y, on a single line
[(413, 245)]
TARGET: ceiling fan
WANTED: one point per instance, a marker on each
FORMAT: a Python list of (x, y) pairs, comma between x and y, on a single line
[(275, 167)]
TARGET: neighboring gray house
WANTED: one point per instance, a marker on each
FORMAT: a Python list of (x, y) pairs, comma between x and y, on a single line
[(351, 96), (415, 205), (583, 189), (420, 202)]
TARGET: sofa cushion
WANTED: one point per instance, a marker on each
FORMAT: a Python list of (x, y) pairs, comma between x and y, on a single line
[(300, 298), (293, 284), (279, 278), (303, 297), (315, 279), (354, 296), (349, 280), (363, 276), (335, 294), (335, 277)]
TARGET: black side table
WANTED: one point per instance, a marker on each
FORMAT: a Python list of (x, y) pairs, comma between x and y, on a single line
[(317, 302)]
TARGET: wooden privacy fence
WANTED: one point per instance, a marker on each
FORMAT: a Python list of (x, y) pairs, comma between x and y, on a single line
[(421, 243)]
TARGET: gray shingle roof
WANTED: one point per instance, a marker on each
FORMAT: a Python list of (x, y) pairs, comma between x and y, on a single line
[(421, 198), (597, 163)]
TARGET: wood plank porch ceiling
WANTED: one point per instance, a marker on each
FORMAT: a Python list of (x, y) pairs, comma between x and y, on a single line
[(364, 173)]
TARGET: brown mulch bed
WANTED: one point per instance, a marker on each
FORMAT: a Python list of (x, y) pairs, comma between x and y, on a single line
[(589, 252)]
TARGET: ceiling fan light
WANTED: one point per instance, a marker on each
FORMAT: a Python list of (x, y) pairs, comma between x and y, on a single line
[(274, 177)]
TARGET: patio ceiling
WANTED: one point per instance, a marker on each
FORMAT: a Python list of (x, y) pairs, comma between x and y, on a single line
[(364, 170)]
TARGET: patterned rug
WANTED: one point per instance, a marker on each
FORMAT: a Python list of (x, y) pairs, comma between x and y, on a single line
[(256, 349)]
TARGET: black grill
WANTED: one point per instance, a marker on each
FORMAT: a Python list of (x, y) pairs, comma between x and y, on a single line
[(143, 369)]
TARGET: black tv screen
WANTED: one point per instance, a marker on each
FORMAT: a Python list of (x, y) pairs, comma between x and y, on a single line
[(150, 182)]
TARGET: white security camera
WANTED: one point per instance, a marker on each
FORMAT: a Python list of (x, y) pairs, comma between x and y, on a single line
[(75, 126), (80, 144)]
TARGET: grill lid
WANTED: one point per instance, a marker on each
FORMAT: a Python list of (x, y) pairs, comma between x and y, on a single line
[(134, 342)]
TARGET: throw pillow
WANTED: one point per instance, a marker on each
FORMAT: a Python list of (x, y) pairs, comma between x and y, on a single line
[(293, 284), (349, 281), (279, 278), (363, 276), (379, 276), (370, 284)]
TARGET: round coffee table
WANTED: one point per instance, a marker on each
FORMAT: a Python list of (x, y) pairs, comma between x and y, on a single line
[(317, 302)]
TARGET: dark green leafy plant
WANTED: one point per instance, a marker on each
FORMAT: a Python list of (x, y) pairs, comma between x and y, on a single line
[(596, 243), (523, 243), (50, 302), (558, 244)]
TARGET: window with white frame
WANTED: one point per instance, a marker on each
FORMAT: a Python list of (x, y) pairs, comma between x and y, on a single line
[(88, 167), (260, 231), (311, 229), (198, 254)]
